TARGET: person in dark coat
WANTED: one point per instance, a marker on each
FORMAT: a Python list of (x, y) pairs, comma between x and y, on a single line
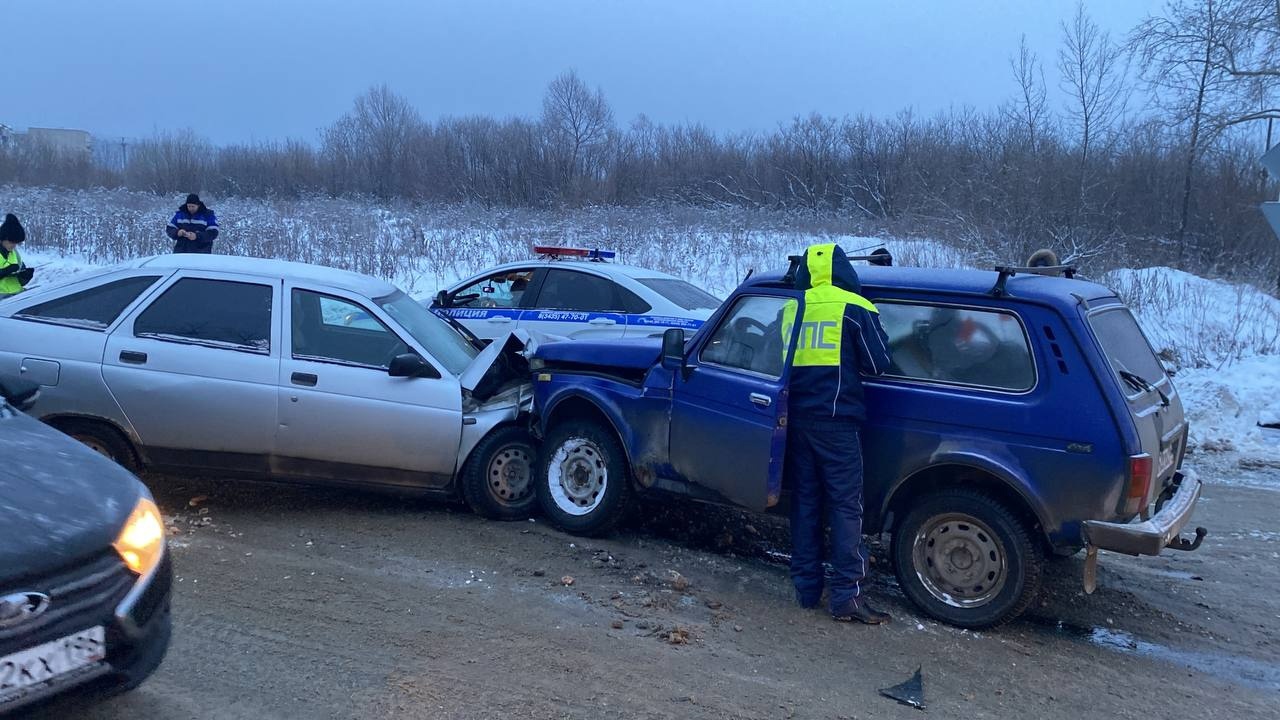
[(14, 274), (840, 339), (193, 228)]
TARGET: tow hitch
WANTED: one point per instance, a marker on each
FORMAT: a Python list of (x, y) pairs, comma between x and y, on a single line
[(1181, 543)]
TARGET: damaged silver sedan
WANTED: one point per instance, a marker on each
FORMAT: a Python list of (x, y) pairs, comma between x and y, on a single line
[(276, 370)]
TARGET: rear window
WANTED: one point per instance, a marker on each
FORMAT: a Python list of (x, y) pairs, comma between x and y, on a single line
[(683, 294), (1124, 344), (95, 308)]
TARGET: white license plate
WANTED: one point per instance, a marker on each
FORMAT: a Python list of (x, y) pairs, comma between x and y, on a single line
[(47, 663)]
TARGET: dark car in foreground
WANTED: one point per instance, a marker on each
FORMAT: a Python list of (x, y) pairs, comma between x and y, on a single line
[(1022, 416), (85, 577)]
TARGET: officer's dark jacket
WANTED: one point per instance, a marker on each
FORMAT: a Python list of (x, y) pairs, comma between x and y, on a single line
[(202, 223), (840, 336)]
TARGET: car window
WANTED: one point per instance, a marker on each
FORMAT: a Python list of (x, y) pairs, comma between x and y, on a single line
[(95, 308), (217, 313), (1125, 346), (751, 335), (447, 341), (571, 290), (501, 290), (683, 294), (324, 328), (945, 344)]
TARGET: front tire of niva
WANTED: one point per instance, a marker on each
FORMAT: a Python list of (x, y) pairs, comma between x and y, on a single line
[(966, 559), (583, 484)]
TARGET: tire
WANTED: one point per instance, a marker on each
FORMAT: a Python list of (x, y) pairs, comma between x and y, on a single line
[(583, 483), (499, 477), (103, 439), (989, 571)]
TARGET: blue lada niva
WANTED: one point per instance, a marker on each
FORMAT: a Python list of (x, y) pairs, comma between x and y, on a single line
[(1024, 414)]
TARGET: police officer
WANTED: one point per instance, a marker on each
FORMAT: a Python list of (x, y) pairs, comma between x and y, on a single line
[(14, 274), (193, 228), (839, 338)]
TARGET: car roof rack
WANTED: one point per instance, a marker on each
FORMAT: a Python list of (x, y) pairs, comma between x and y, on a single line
[(879, 257), (1008, 271), (552, 252)]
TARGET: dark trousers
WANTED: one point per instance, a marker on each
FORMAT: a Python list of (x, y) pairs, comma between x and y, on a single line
[(824, 467), (183, 245)]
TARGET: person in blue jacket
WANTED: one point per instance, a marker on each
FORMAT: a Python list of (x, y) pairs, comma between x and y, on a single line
[(840, 339), (193, 228)]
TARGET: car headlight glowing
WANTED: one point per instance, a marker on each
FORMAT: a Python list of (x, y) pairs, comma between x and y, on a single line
[(141, 540)]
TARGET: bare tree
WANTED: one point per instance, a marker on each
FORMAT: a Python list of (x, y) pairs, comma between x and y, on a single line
[(579, 124), (1030, 108), (374, 141), (1179, 56), (1092, 71)]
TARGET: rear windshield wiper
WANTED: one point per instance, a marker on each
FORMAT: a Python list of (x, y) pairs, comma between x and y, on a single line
[(1137, 382)]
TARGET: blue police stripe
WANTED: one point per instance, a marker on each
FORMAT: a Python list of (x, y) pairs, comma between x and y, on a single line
[(571, 316)]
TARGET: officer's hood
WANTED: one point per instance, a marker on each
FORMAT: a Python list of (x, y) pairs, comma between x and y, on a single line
[(827, 265)]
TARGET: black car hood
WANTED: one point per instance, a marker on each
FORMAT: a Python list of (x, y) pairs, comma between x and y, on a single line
[(59, 501)]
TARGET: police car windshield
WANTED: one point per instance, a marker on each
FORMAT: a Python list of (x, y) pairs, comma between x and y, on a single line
[(683, 294), (444, 343)]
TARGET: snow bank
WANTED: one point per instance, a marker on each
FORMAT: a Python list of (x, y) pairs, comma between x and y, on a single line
[(1197, 323), (1225, 407)]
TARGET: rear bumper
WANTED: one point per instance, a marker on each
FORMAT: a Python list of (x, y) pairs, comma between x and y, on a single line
[(1150, 536)]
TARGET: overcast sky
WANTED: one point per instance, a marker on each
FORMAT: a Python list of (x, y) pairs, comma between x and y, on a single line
[(243, 70)]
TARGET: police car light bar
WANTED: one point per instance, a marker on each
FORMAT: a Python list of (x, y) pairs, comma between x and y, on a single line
[(559, 252)]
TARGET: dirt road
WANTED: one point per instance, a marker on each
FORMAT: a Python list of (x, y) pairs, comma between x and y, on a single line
[(298, 603)]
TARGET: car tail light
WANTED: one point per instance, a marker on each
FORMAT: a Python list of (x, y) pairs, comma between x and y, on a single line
[(1140, 470)]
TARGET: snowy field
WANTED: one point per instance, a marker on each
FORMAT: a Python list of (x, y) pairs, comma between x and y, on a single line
[(1221, 339)]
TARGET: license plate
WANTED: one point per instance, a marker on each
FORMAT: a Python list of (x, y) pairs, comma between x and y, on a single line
[(46, 664)]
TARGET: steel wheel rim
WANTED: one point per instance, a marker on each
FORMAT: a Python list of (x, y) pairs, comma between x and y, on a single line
[(509, 475), (959, 560), (96, 445), (577, 476)]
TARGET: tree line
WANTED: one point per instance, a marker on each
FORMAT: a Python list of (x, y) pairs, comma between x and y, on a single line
[(1153, 153)]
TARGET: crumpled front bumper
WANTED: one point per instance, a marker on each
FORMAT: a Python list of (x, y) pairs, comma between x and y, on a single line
[(1153, 535)]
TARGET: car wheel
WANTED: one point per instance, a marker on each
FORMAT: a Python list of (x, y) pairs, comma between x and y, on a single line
[(102, 439), (499, 477), (966, 559), (583, 485)]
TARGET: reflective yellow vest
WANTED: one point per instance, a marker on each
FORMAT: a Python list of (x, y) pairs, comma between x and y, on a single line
[(10, 285)]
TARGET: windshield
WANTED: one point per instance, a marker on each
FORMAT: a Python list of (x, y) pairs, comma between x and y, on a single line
[(439, 338), (683, 294), (1125, 345)]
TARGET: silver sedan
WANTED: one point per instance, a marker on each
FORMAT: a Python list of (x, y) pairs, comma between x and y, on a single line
[(254, 368)]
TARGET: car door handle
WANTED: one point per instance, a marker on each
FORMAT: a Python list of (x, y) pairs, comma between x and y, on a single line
[(307, 379), (133, 357), (761, 400), (499, 319), (602, 321)]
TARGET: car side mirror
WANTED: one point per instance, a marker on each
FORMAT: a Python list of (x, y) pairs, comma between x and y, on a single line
[(673, 349), (21, 394), (409, 365), (442, 299)]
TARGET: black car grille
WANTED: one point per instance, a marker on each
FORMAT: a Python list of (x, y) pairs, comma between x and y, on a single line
[(80, 596)]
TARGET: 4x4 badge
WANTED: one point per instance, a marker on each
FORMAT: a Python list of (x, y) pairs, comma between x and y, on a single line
[(20, 607)]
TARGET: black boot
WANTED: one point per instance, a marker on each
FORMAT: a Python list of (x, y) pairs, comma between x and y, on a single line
[(858, 610)]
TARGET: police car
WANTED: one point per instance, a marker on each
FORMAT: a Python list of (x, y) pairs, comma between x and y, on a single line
[(576, 293)]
